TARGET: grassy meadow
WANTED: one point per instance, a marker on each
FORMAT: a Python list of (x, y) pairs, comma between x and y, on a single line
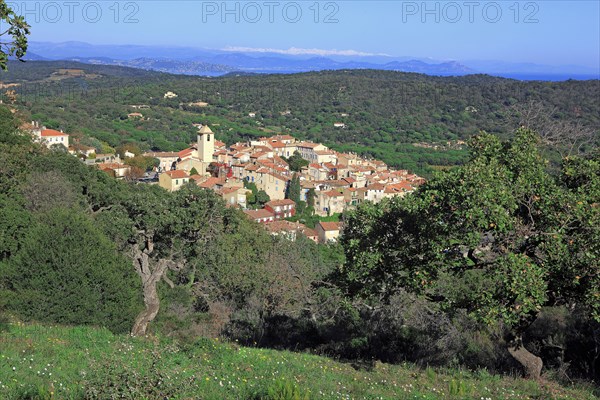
[(54, 362)]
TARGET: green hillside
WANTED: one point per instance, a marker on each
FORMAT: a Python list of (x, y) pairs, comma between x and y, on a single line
[(385, 113), (53, 362)]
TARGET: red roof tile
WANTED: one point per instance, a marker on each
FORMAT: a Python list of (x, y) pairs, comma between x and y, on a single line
[(256, 214), (330, 226), (333, 193), (52, 132), (177, 174), (284, 202)]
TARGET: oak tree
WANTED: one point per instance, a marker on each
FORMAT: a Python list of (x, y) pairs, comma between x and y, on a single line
[(518, 237)]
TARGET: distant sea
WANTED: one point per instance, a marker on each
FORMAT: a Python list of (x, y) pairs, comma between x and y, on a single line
[(547, 77)]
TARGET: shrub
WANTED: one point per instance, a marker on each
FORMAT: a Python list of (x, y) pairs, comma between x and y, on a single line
[(68, 272)]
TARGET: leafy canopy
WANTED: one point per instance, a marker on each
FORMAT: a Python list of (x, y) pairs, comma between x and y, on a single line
[(17, 31), (499, 236)]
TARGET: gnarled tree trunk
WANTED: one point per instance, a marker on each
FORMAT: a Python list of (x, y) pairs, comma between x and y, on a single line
[(150, 276), (532, 364)]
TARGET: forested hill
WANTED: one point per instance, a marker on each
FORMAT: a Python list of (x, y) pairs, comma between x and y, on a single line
[(385, 113)]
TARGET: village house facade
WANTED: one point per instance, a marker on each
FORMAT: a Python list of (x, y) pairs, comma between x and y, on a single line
[(173, 180), (281, 209), (328, 231)]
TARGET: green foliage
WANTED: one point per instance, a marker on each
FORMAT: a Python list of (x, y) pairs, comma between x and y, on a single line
[(296, 162), (14, 222), (9, 126), (262, 197), (282, 390), (17, 31), (457, 388), (388, 112), (92, 363), (310, 198), (502, 216), (142, 162), (67, 272), (141, 380), (128, 147), (293, 189)]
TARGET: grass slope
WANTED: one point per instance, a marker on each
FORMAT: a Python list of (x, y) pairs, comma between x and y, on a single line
[(44, 362)]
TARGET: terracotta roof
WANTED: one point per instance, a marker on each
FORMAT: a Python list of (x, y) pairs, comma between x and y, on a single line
[(210, 182), (284, 202), (330, 226), (52, 132), (256, 214), (276, 144), (282, 226), (333, 193), (185, 153), (309, 145), (177, 174), (336, 182), (227, 190), (397, 189), (282, 137), (308, 232), (376, 186)]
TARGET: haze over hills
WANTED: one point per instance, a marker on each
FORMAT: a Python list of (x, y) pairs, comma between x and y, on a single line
[(209, 62)]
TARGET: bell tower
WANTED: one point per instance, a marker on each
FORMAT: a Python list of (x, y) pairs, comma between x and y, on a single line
[(206, 144)]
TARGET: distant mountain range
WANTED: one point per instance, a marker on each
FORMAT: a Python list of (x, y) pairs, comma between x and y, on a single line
[(193, 61)]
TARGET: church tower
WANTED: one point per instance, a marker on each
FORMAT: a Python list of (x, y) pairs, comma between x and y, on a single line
[(206, 144)]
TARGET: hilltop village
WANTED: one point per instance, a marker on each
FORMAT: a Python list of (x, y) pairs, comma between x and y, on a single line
[(281, 170)]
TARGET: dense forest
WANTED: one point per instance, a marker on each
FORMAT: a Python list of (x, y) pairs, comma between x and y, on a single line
[(396, 117)]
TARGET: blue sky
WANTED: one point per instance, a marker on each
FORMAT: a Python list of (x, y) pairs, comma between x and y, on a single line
[(544, 32)]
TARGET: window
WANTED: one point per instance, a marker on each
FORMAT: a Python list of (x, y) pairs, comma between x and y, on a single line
[(177, 181), (208, 138)]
